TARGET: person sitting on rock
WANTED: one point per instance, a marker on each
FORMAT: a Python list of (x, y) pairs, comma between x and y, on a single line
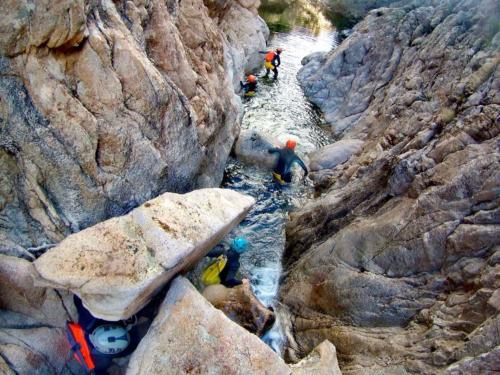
[(286, 157), (228, 273), (272, 61), (250, 86)]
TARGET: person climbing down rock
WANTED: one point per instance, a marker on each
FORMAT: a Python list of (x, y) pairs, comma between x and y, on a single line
[(228, 273), (272, 61), (250, 86), (283, 169), (101, 339)]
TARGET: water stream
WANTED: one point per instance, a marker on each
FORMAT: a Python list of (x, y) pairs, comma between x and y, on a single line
[(280, 109)]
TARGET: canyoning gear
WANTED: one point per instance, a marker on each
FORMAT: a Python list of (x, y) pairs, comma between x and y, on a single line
[(249, 94), (291, 144), (228, 274), (110, 339), (286, 158), (79, 346), (250, 86), (240, 245), (211, 275), (270, 56), (278, 178), (272, 61)]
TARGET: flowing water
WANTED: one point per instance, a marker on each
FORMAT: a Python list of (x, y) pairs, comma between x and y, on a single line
[(280, 109)]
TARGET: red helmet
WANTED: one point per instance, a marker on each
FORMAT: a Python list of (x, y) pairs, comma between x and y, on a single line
[(251, 78), (279, 49), (291, 144)]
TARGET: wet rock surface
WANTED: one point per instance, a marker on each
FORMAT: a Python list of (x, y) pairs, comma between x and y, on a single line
[(117, 266), (241, 306), (125, 99), (396, 263), (252, 147)]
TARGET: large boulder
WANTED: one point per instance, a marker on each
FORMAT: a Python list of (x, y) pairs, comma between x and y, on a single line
[(241, 306), (117, 266), (125, 99), (328, 157), (189, 335), (252, 147)]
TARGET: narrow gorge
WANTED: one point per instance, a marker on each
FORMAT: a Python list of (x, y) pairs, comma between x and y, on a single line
[(128, 152)]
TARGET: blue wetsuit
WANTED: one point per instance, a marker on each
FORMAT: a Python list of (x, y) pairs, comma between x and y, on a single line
[(228, 274), (285, 161)]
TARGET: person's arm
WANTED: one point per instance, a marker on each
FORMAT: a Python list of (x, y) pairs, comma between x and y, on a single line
[(263, 52), (243, 85), (216, 251), (274, 150), (278, 60), (301, 163)]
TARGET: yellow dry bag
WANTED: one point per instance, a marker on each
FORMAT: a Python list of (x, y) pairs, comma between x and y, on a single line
[(211, 275)]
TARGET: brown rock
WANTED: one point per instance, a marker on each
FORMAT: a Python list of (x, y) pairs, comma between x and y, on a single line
[(241, 306)]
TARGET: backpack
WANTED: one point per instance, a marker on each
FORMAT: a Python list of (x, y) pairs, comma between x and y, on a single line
[(211, 274), (270, 56)]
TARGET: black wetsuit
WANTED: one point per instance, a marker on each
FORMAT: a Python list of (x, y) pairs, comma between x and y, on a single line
[(228, 274), (285, 161), (248, 86), (89, 323), (276, 61)]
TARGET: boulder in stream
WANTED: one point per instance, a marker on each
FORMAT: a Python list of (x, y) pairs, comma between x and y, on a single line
[(251, 148), (241, 306), (117, 266)]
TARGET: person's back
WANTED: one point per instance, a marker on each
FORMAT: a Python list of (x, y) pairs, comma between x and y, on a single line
[(286, 158), (228, 274)]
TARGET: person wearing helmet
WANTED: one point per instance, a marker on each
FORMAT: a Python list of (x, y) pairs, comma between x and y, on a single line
[(250, 86), (106, 340), (286, 157), (272, 61), (228, 274)]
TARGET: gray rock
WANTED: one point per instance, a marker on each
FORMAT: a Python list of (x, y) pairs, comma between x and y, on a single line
[(252, 148), (328, 157)]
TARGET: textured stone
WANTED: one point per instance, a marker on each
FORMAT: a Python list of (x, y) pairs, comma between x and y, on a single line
[(395, 262), (321, 361), (43, 306), (190, 336), (125, 99), (328, 157), (241, 306), (117, 266), (252, 147)]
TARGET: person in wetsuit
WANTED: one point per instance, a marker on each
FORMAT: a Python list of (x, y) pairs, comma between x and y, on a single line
[(287, 156), (250, 86), (272, 61), (228, 274)]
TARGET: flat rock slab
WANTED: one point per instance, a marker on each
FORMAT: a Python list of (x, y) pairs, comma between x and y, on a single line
[(328, 157), (117, 266), (190, 336)]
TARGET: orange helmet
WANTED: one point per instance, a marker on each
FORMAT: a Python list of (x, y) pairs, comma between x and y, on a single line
[(251, 78), (291, 144)]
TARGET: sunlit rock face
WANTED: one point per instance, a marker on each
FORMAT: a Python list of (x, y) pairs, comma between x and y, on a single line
[(116, 267), (397, 262), (108, 104)]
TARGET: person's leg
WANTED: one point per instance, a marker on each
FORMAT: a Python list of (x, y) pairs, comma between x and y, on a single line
[(275, 71), (267, 72)]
